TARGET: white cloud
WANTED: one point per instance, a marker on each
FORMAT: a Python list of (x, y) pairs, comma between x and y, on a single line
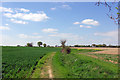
[(3, 9), (35, 33), (76, 23), (66, 36), (6, 24), (30, 16), (8, 40), (19, 21), (4, 28), (72, 39), (62, 6), (53, 8), (23, 10), (27, 36), (10, 10), (62, 35), (50, 30), (90, 22), (66, 6), (85, 26), (108, 34)]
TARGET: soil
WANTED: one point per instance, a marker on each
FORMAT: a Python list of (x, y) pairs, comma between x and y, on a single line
[(46, 71), (105, 50), (93, 56)]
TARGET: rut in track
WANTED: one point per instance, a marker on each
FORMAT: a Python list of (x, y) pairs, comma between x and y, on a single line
[(46, 71)]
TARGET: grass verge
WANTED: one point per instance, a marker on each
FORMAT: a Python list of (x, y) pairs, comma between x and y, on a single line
[(81, 66)]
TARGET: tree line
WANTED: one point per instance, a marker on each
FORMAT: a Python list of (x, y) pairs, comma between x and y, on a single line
[(40, 44), (97, 45)]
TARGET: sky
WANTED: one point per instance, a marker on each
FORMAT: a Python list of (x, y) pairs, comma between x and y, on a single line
[(49, 22), (57, 0)]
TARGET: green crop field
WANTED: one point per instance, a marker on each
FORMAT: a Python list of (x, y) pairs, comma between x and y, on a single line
[(19, 62), (59, 39), (28, 62)]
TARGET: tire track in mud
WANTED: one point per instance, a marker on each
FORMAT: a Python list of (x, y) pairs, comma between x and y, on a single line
[(46, 71)]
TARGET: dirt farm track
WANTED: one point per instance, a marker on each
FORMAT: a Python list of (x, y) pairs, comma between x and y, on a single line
[(105, 50)]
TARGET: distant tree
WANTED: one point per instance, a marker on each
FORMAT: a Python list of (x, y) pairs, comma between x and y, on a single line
[(110, 45), (44, 45), (88, 46), (70, 46), (29, 44), (39, 43), (56, 45), (76, 46), (48, 45), (104, 45), (99, 45), (18, 45), (93, 45)]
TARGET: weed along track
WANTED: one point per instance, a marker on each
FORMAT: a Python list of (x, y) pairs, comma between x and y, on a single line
[(44, 67), (76, 65)]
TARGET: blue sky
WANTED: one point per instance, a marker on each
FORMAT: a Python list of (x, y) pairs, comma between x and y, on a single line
[(78, 23), (58, 0)]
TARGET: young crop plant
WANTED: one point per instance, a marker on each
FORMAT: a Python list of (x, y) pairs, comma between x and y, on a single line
[(20, 62)]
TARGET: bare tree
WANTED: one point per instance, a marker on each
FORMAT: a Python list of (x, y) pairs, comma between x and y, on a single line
[(65, 49), (111, 14), (63, 43)]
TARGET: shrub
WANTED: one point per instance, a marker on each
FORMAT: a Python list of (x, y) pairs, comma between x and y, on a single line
[(67, 50), (18, 45), (44, 45), (29, 45), (48, 46)]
